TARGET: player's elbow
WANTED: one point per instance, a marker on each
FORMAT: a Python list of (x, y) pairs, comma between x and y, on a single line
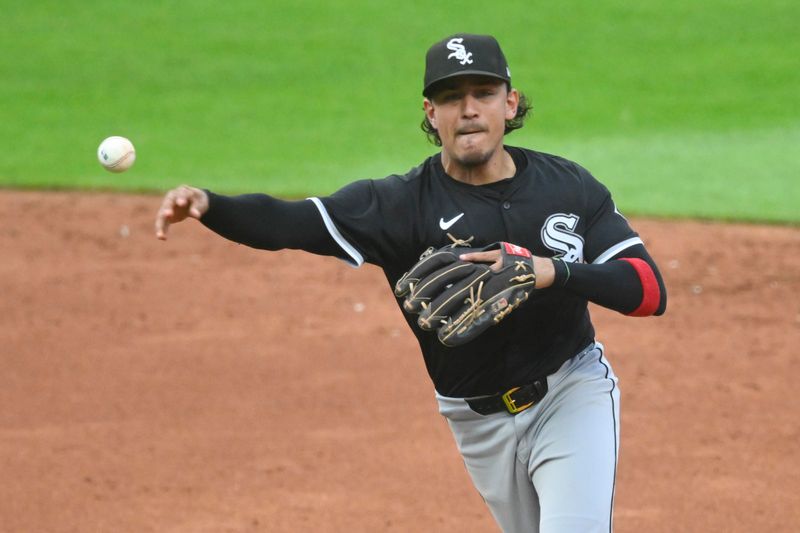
[(653, 292), (661, 301)]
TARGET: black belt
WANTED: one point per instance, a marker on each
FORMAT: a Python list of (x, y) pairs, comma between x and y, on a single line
[(514, 401)]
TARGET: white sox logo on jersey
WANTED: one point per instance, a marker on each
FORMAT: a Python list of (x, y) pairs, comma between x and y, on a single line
[(459, 51), (558, 234)]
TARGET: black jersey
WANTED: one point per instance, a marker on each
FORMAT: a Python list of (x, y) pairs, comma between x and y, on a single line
[(552, 206)]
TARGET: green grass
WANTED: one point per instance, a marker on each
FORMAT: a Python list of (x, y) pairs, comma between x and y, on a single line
[(732, 175), (683, 108)]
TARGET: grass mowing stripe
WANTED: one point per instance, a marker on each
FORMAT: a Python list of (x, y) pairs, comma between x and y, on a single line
[(746, 175)]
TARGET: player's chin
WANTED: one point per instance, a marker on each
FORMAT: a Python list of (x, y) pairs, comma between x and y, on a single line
[(473, 156)]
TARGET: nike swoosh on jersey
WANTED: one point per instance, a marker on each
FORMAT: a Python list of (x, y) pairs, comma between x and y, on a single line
[(446, 225)]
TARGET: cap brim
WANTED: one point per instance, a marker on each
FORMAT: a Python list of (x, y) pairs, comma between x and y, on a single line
[(426, 90)]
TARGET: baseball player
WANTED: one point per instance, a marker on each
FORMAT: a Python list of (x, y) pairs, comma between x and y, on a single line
[(532, 402)]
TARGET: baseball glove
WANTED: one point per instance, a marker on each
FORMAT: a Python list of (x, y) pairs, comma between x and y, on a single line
[(462, 299)]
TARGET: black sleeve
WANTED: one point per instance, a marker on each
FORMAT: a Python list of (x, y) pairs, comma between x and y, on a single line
[(607, 231), (615, 284), (261, 221)]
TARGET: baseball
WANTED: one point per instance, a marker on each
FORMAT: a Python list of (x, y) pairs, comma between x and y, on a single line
[(116, 154)]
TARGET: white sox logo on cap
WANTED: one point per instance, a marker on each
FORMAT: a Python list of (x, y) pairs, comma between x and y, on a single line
[(464, 53), (459, 51)]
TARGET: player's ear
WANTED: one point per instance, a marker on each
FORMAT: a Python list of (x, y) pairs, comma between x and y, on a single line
[(430, 111), (512, 102)]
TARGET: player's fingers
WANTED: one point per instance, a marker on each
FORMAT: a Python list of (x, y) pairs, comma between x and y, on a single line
[(184, 196), (495, 257), (165, 214), (161, 226), (481, 257), (194, 200), (179, 203), (161, 233), (167, 211)]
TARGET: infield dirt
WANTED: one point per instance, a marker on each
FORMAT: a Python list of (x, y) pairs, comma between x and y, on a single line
[(197, 385)]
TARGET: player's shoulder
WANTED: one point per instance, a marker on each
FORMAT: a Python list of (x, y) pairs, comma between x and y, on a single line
[(416, 174), (389, 190), (550, 163), (561, 174), (402, 185)]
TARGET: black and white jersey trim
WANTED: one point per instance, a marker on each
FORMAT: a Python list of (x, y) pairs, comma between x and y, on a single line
[(356, 259), (617, 248)]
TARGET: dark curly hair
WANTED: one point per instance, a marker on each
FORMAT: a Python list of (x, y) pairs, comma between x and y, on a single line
[(524, 109)]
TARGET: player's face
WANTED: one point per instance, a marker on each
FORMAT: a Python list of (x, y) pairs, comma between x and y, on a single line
[(470, 114)]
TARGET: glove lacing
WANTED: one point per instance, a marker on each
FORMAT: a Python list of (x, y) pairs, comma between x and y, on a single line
[(460, 242)]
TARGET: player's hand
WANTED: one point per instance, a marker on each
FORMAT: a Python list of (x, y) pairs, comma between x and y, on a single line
[(179, 204), (545, 271)]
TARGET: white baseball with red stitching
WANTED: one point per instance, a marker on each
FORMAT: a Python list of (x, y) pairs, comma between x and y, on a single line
[(116, 154)]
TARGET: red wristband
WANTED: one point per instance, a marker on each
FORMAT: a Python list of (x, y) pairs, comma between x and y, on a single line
[(651, 294)]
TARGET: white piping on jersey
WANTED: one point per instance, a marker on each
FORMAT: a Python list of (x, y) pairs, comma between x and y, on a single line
[(357, 258), (617, 248)]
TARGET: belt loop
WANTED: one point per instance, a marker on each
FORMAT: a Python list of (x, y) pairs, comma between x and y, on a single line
[(541, 387)]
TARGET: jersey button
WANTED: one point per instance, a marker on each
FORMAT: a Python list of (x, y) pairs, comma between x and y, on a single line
[(506, 205)]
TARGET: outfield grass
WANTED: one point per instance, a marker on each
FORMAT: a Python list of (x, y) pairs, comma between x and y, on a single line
[(683, 108)]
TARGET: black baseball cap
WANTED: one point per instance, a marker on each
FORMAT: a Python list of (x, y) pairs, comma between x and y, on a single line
[(465, 53)]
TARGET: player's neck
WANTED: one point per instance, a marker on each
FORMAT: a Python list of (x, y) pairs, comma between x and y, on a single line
[(499, 167)]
